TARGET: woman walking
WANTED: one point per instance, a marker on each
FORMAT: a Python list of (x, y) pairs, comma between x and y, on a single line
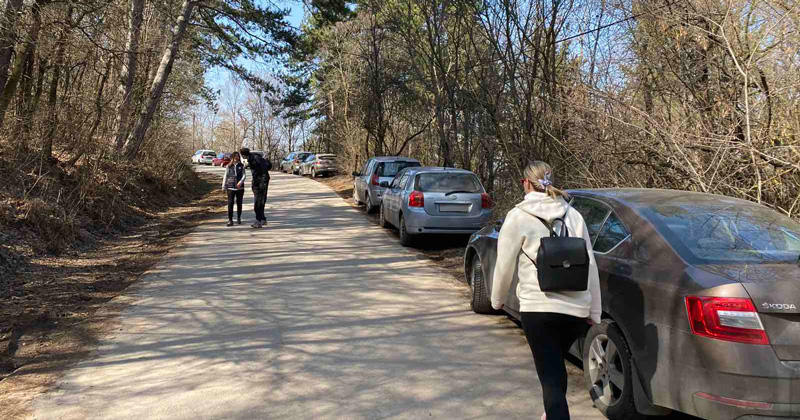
[(552, 321), (233, 183)]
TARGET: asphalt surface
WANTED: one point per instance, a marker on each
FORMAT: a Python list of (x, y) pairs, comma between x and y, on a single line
[(321, 315)]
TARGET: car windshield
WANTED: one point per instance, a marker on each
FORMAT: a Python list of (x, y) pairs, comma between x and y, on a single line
[(207, 154), (446, 182), (728, 233), (390, 169)]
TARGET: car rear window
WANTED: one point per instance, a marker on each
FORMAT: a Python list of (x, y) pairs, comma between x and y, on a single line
[(303, 156), (727, 233), (327, 158), (390, 169), (209, 154), (448, 182)]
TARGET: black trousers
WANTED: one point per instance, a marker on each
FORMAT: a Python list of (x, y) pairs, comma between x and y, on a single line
[(550, 336), (260, 188), (238, 195)]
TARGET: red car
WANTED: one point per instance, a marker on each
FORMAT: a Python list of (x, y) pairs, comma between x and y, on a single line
[(222, 159)]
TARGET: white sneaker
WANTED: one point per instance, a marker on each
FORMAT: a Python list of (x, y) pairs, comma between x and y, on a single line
[(544, 416)]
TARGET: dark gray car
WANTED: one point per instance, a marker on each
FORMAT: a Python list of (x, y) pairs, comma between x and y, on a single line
[(422, 200), (700, 304)]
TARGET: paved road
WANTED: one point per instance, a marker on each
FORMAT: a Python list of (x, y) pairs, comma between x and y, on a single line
[(319, 316)]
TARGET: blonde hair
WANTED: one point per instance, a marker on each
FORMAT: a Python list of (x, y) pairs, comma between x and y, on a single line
[(540, 174)]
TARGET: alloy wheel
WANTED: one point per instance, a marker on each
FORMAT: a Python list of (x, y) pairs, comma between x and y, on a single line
[(606, 370)]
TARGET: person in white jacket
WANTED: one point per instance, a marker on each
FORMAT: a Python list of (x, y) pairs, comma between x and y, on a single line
[(552, 321)]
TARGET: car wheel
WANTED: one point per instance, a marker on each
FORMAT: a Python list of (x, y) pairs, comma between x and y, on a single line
[(368, 205), (607, 369), (405, 239), (382, 218), (313, 173), (479, 296)]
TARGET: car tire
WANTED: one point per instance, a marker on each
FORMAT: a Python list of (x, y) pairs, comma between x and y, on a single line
[(607, 372), (368, 205), (313, 173), (478, 292), (382, 219), (406, 240)]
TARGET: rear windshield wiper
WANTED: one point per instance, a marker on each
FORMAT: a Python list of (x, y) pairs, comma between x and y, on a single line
[(458, 192)]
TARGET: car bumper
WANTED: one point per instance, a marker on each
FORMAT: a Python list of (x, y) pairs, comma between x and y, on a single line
[(718, 380), (420, 222), (727, 396)]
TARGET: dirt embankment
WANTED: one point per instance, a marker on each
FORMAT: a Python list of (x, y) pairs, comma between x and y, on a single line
[(447, 251), (63, 259)]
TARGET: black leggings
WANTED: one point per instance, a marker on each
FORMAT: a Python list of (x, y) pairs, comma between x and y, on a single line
[(550, 336), (239, 195)]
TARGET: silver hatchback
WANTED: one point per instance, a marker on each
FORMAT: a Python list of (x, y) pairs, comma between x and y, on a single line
[(367, 188), (435, 200)]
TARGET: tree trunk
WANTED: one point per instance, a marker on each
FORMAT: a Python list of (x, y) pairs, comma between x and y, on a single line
[(52, 95), (8, 37), (98, 106), (128, 74), (10, 87), (136, 137), (25, 104)]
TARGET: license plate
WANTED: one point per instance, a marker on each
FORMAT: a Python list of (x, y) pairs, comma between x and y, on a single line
[(454, 208)]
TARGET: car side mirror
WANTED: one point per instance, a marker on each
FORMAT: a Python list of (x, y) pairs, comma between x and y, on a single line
[(385, 184), (498, 224), (356, 173)]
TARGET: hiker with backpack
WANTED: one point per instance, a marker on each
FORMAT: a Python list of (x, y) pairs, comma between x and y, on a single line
[(547, 243), (259, 169)]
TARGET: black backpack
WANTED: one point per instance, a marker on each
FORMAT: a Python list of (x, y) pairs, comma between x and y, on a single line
[(562, 261)]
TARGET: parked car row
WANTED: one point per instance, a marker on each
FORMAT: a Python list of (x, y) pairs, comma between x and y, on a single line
[(700, 304), (308, 163), (210, 157), (420, 200)]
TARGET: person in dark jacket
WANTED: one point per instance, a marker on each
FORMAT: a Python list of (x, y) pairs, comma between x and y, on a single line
[(233, 183), (259, 169)]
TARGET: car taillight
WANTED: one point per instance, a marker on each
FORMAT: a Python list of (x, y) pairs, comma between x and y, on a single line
[(486, 201), (416, 199), (375, 180), (729, 319)]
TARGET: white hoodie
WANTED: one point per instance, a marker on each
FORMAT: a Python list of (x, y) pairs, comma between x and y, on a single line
[(522, 230)]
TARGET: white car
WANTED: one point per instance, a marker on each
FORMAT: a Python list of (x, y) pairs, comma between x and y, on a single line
[(204, 156)]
